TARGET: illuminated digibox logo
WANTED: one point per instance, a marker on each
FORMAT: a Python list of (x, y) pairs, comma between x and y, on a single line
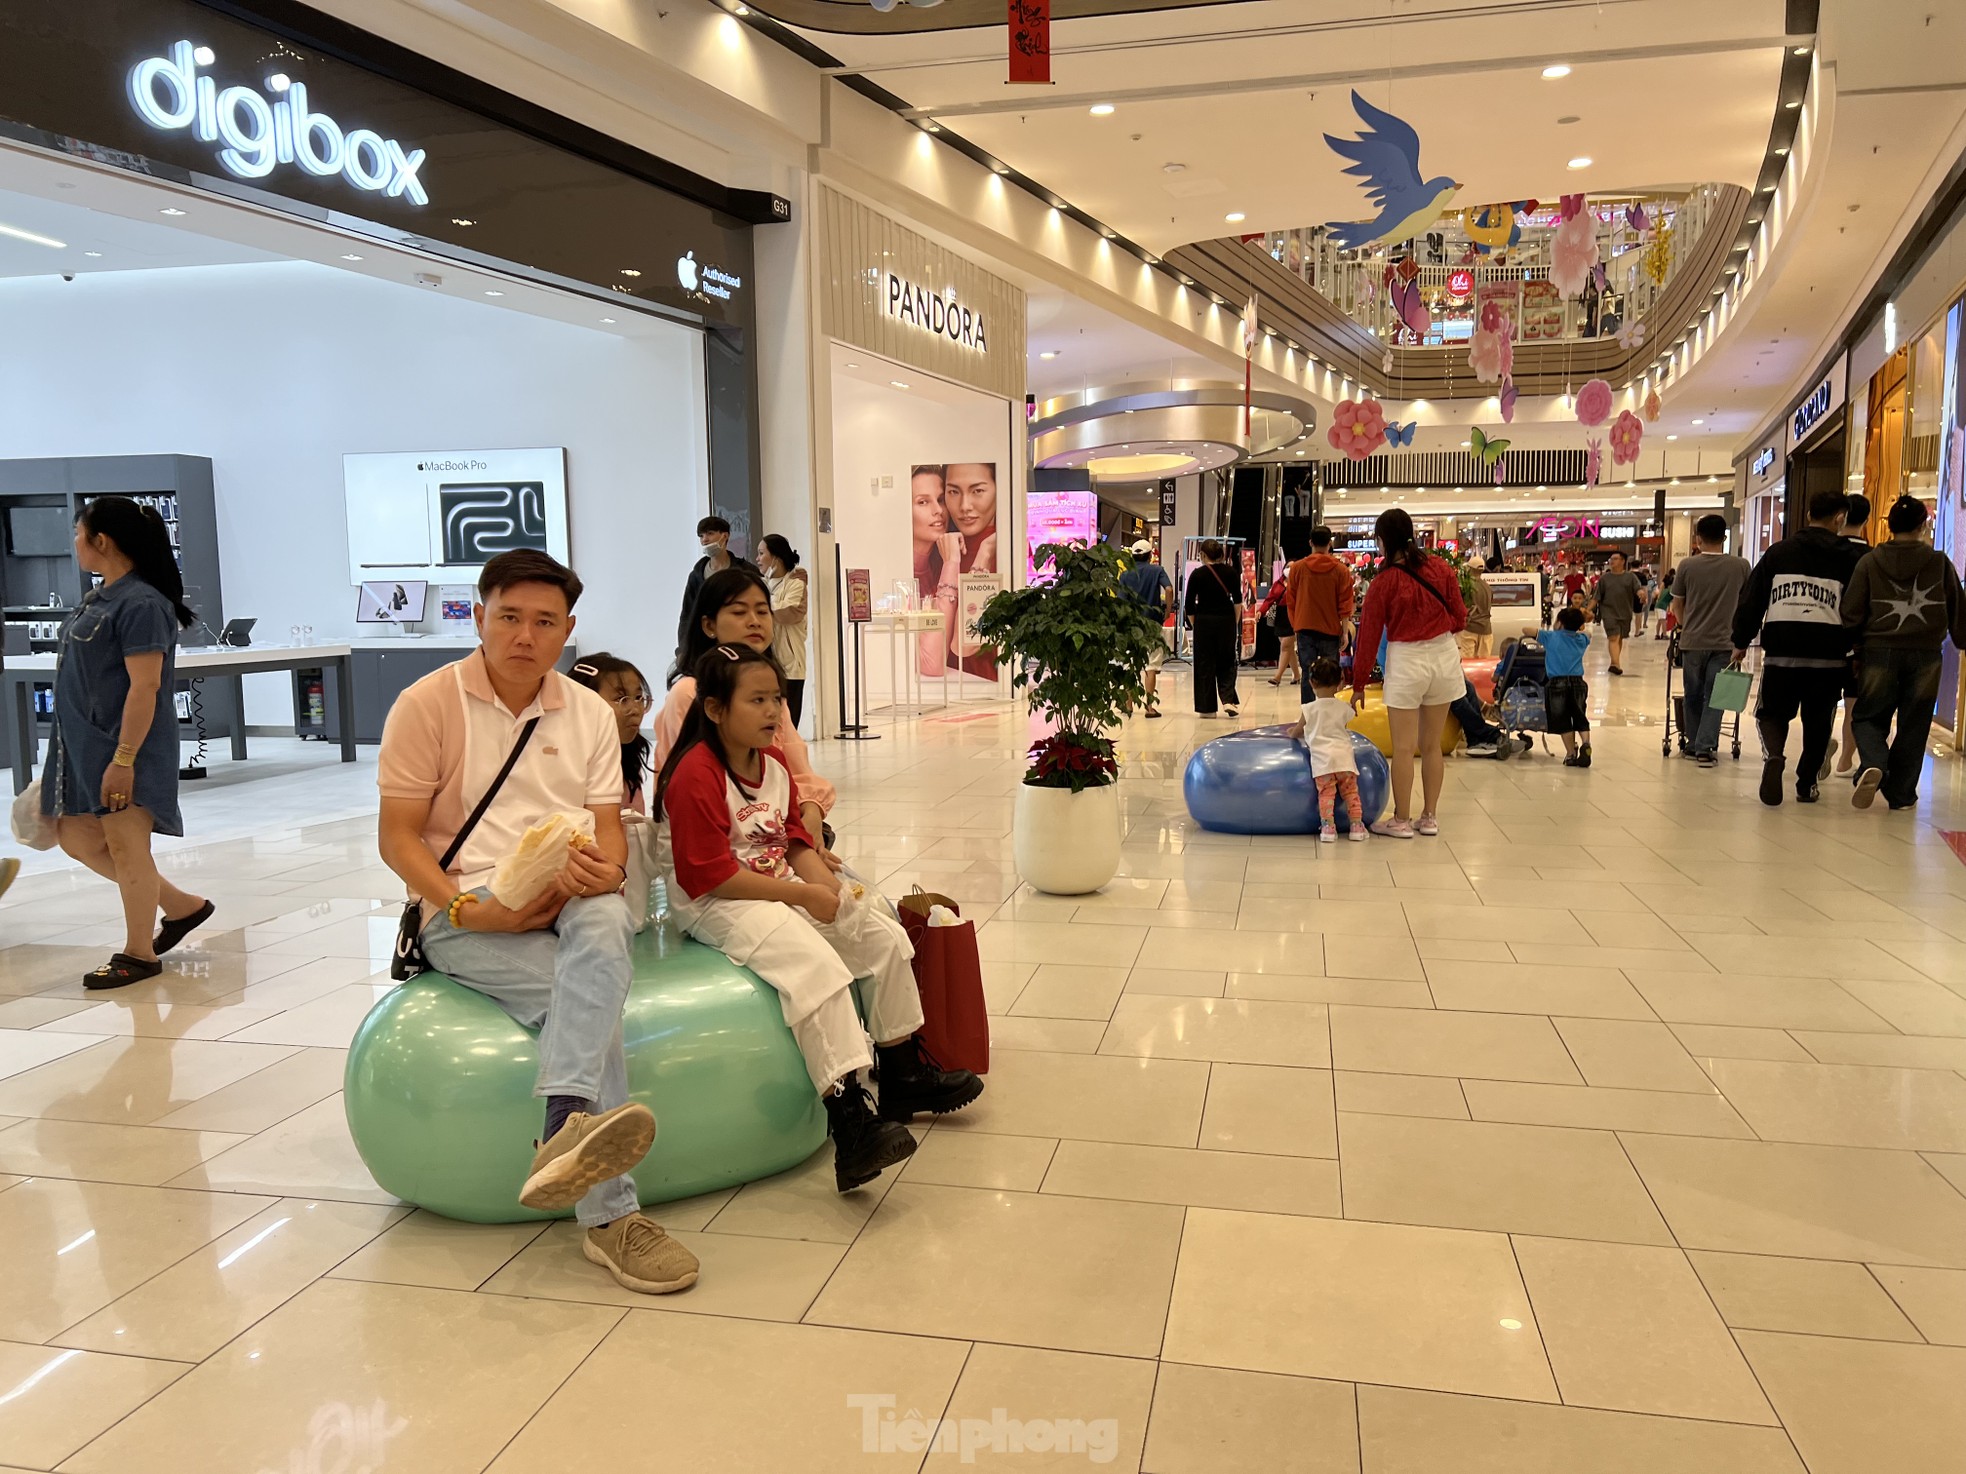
[(482, 520)]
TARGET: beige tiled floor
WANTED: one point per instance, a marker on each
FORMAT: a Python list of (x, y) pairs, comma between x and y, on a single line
[(1620, 1129)]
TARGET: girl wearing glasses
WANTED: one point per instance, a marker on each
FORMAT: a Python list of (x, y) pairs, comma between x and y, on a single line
[(625, 690)]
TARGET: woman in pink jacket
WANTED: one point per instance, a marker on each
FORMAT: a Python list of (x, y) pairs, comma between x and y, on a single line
[(734, 608)]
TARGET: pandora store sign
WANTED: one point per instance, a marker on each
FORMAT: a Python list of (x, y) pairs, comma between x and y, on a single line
[(922, 308)]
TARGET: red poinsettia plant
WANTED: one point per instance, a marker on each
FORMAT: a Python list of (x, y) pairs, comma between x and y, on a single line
[(1074, 762)]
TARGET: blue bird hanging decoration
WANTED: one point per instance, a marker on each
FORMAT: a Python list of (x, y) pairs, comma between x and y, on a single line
[(1386, 157)]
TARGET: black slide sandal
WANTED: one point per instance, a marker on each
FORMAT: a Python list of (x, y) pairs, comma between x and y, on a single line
[(120, 971), (173, 932)]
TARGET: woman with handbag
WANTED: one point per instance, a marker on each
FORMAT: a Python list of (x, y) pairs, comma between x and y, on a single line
[(1212, 609), (1415, 599), (112, 771)]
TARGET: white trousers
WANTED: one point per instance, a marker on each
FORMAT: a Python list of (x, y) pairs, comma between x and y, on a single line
[(807, 962)]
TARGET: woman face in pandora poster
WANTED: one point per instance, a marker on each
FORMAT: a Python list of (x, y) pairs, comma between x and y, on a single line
[(925, 491), (970, 498)]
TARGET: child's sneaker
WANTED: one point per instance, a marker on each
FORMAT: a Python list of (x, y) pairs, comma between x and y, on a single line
[(1358, 834), (1329, 834)]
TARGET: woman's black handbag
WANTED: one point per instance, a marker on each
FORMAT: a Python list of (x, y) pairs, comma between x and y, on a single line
[(408, 959)]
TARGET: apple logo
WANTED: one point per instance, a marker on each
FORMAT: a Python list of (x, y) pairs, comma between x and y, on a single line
[(686, 271)]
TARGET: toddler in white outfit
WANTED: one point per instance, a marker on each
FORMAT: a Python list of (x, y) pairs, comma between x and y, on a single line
[(1324, 730)]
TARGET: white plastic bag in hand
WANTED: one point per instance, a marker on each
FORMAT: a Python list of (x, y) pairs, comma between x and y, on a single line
[(523, 876)]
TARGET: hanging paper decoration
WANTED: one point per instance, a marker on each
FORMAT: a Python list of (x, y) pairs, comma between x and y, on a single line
[(1386, 159), (1490, 227), (1600, 278), (1593, 460), (1594, 403), (1491, 347), (1570, 206), (1030, 41), (1573, 249), (1658, 256), (1485, 451), (1398, 434), (1409, 303), (1636, 217), (1508, 400), (1652, 405), (1626, 434), (1358, 427), (1631, 337)]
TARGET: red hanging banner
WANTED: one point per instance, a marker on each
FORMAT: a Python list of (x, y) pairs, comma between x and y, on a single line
[(1030, 41)]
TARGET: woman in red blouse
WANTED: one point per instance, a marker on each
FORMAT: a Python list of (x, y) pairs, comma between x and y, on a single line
[(1415, 600)]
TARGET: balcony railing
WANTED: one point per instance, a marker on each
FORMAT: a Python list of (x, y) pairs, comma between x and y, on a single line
[(1353, 281)]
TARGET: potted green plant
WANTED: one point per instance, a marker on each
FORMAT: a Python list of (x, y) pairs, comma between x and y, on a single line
[(1076, 645)]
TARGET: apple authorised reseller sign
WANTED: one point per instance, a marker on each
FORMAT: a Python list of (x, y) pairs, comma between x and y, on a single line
[(257, 133)]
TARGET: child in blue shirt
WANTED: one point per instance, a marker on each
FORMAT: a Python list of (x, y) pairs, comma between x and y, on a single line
[(1566, 696)]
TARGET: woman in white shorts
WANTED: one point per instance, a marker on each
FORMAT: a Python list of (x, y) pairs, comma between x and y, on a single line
[(1415, 601)]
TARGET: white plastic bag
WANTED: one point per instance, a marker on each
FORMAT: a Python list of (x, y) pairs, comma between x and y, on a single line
[(32, 827), (523, 875)]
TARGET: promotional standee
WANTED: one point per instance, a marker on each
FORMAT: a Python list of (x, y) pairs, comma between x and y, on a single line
[(439, 516), (857, 608), (956, 559)]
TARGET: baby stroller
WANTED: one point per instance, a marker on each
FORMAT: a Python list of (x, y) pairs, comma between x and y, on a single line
[(1676, 711), (1520, 682)]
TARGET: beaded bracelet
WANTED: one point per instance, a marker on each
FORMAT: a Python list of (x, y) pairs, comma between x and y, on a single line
[(456, 907)]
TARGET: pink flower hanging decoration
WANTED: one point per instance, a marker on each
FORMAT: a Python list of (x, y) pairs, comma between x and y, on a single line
[(1652, 405), (1593, 460), (1573, 253), (1594, 403), (1358, 427), (1625, 437), (1491, 354)]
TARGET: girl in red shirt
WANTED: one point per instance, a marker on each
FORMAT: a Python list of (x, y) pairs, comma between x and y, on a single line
[(1415, 600), (744, 875)]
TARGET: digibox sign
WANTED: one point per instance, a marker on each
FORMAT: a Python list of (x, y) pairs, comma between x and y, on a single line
[(255, 133), (195, 96)]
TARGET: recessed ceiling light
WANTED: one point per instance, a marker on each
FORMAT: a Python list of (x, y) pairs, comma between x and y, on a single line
[(1801, 51), (740, 10), (494, 294), (1101, 110), (1783, 149), (170, 210), (896, 384), (1001, 168), (350, 256), (853, 365), (1699, 422), (929, 125), (92, 253), (609, 319), (1792, 106), (1048, 354), (32, 239), (629, 271), (204, 56), (1672, 437), (1235, 217), (278, 82), (1559, 70), (460, 220), (1582, 161)]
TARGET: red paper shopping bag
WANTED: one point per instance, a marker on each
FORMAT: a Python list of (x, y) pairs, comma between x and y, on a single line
[(949, 976)]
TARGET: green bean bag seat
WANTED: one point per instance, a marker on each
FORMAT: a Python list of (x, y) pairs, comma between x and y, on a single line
[(439, 1086)]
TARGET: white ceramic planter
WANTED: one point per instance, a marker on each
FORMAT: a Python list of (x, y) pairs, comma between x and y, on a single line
[(1066, 843)]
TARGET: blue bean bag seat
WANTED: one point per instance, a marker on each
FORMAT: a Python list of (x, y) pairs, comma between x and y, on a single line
[(1259, 782), (439, 1085)]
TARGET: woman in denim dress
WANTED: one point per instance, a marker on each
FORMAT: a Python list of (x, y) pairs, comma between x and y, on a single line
[(111, 775)]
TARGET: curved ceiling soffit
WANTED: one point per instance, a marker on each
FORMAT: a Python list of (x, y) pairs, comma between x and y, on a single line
[(1202, 423)]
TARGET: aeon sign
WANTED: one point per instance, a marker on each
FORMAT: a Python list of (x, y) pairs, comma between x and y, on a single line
[(258, 133)]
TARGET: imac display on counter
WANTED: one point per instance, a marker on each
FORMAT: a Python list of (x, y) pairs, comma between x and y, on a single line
[(387, 601)]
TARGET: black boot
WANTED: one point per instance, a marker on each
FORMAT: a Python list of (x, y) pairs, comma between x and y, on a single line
[(911, 1080), (863, 1146)]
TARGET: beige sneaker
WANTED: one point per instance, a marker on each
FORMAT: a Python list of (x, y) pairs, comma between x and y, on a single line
[(638, 1253), (585, 1151)]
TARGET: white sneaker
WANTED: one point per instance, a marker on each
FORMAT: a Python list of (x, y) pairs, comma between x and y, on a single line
[(1206, 716), (1358, 835), (1328, 836), (1231, 711)]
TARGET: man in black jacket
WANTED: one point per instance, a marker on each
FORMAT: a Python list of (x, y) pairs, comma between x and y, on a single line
[(1903, 602), (713, 533), (1794, 599)]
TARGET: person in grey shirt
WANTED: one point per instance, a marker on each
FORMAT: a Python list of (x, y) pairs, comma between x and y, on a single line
[(1705, 590), (1617, 602)]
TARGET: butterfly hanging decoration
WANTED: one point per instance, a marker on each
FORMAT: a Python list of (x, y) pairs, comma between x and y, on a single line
[(1508, 397), (1398, 434), (1487, 452), (1593, 460)]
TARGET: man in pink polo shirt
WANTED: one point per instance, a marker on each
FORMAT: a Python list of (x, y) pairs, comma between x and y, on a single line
[(561, 965)]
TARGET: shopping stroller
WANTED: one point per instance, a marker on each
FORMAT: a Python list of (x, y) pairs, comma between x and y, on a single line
[(1676, 711), (1521, 679)]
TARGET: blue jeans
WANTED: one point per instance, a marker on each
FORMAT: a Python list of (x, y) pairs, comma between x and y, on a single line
[(1467, 711), (570, 984), (1311, 645), (1903, 684), (1702, 728)]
